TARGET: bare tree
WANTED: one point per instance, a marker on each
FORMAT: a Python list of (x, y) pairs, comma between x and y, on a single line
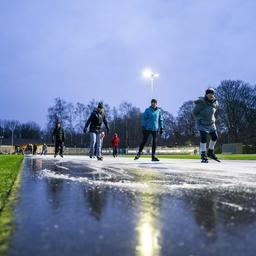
[(237, 111), (185, 124), (82, 114), (30, 130), (169, 127), (12, 125), (70, 124), (125, 109), (58, 112)]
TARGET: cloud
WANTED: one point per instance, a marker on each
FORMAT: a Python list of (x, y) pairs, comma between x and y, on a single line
[(83, 49)]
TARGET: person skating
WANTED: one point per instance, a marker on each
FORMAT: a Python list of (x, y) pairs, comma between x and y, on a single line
[(95, 121), (44, 149), (204, 112), (115, 144), (34, 149), (58, 139), (152, 124)]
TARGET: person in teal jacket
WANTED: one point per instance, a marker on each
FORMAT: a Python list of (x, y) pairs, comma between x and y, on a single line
[(152, 124), (204, 112)]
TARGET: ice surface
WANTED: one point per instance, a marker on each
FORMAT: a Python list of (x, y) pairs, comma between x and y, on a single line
[(165, 176)]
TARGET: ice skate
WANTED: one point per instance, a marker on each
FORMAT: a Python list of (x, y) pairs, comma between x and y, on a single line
[(211, 154), (204, 158), (137, 157), (154, 159)]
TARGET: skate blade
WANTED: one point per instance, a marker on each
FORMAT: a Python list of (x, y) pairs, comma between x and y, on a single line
[(217, 160)]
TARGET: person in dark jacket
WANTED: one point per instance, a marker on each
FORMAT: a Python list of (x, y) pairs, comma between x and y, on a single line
[(94, 123), (152, 124), (115, 144), (58, 139), (34, 149), (204, 112)]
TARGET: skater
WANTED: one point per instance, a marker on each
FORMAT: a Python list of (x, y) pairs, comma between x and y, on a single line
[(44, 149), (204, 112), (30, 149), (152, 123), (34, 149), (115, 144), (95, 121), (58, 139)]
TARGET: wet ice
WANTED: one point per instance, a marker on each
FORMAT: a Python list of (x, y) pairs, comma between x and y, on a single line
[(125, 207)]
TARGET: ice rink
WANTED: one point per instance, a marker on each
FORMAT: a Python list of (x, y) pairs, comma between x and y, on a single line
[(165, 176), (125, 207)]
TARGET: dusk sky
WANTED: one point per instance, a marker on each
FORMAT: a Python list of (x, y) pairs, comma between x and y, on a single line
[(79, 50)]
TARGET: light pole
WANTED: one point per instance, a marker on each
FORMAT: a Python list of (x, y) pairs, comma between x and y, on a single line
[(151, 75)]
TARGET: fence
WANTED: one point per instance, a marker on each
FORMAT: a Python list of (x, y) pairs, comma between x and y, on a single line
[(108, 151), (131, 151), (232, 148), (5, 149)]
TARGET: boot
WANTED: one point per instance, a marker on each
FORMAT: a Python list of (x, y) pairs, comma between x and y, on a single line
[(155, 159), (137, 157), (204, 158), (211, 154)]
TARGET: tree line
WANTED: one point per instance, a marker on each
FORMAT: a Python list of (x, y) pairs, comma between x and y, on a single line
[(236, 120)]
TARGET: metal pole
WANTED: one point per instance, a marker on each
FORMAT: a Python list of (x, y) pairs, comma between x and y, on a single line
[(12, 136), (152, 86)]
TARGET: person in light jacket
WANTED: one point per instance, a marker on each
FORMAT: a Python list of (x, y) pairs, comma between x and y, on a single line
[(152, 124)]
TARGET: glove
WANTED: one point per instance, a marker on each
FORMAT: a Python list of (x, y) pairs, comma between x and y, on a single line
[(161, 131)]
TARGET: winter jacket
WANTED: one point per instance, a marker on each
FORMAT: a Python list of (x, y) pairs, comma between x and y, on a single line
[(204, 111), (115, 141), (58, 134), (152, 119), (95, 121)]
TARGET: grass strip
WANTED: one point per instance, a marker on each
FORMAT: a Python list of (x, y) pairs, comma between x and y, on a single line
[(10, 166)]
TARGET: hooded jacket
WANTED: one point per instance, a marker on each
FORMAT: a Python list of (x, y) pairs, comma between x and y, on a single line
[(204, 110)]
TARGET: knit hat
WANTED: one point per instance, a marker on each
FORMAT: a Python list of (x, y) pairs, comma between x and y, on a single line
[(100, 105), (210, 90)]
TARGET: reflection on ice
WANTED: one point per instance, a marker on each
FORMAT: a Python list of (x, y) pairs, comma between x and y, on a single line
[(148, 228)]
